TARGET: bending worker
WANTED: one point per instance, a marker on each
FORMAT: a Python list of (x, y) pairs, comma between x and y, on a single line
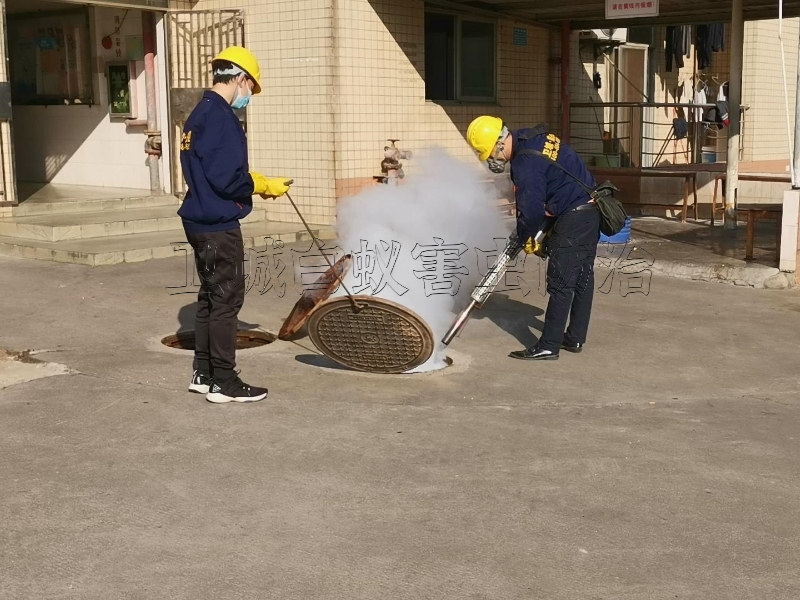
[(546, 195), (220, 193)]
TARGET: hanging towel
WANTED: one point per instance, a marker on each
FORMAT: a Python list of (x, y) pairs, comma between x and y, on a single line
[(699, 98), (722, 95)]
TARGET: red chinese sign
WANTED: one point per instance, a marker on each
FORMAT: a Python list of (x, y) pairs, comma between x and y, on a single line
[(627, 10)]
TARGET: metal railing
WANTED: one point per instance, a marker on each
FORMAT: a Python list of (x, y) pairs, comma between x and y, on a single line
[(648, 134)]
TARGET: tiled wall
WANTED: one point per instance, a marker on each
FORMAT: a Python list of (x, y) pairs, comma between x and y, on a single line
[(766, 122), (340, 78), (338, 85), (292, 127), (291, 124), (381, 88), (82, 144)]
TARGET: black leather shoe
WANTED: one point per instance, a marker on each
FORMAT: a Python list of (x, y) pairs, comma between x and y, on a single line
[(577, 347), (534, 354)]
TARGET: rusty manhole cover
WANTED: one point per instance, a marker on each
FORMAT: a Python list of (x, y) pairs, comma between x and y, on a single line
[(320, 291), (381, 337), (184, 340)]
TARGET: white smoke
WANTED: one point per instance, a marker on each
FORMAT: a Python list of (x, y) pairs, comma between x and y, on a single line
[(446, 205)]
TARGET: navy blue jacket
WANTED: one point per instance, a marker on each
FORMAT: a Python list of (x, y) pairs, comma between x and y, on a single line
[(214, 163), (540, 185)]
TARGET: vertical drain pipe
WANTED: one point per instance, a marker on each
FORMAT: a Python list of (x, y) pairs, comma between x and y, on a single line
[(152, 145)]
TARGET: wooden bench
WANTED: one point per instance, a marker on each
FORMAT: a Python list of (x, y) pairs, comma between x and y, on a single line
[(689, 183), (719, 183)]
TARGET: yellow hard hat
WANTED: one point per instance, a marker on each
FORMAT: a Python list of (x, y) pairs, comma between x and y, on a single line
[(245, 60), (483, 133)]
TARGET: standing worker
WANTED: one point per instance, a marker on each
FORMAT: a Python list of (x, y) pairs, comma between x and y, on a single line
[(543, 170), (220, 192)]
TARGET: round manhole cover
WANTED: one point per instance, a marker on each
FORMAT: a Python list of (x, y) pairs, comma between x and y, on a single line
[(184, 340), (380, 337)]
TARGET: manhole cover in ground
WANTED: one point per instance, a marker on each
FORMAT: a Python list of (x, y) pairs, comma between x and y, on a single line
[(184, 340), (380, 337)]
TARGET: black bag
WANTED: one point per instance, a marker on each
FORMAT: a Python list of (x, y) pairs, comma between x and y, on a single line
[(612, 213)]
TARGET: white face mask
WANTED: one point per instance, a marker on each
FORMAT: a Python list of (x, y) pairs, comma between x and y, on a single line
[(239, 100)]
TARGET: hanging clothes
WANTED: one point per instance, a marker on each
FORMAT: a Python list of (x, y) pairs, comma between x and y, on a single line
[(710, 38), (686, 40), (674, 49), (700, 98), (723, 92), (722, 95), (722, 111), (717, 35)]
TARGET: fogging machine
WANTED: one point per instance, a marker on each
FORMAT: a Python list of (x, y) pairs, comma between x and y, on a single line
[(487, 285)]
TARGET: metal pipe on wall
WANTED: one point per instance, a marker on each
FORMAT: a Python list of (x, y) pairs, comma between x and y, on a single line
[(152, 146)]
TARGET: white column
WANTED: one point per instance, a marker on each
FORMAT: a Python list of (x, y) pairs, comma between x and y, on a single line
[(734, 112), (162, 97), (789, 230)]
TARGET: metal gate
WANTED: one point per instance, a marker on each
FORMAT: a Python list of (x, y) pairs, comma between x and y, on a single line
[(195, 38), (8, 184)]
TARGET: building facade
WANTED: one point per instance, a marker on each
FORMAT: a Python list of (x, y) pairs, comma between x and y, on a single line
[(339, 78)]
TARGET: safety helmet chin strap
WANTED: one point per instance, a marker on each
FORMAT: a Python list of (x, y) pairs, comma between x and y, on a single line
[(497, 161)]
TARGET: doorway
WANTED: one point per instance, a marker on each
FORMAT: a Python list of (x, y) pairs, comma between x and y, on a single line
[(78, 95)]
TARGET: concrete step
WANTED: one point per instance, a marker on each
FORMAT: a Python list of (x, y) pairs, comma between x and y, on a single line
[(37, 206), (140, 247), (55, 227)]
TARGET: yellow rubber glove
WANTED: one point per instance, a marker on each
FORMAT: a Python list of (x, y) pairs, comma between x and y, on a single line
[(532, 246), (272, 187), (278, 186)]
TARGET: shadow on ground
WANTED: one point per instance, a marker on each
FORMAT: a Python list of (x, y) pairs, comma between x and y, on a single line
[(713, 241), (512, 316)]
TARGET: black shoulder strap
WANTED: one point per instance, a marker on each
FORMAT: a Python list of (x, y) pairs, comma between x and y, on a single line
[(554, 163)]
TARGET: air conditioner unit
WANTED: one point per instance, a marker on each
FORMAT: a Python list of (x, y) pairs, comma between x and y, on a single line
[(609, 34)]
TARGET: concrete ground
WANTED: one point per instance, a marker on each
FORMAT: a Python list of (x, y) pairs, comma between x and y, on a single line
[(659, 463)]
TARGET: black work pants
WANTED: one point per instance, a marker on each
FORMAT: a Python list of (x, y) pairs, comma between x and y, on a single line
[(219, 258), (572, 249)]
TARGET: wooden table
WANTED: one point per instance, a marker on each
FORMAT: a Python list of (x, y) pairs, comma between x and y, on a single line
[(764, 177), (689, 183), (754, 212)]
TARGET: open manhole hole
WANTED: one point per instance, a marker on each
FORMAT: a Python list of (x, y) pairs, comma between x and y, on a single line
[(245, 339)]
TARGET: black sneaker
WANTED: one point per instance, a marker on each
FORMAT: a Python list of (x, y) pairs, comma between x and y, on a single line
[(534, 354), (576, 347), (235, 391), (201, 383)]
